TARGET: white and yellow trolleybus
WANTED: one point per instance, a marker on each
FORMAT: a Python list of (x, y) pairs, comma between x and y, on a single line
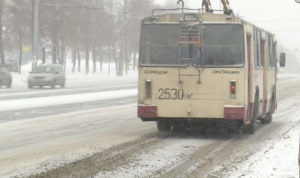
[(199, 67)]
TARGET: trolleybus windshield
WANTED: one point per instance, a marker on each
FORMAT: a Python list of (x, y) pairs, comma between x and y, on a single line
[(221, 46), (159, 44)]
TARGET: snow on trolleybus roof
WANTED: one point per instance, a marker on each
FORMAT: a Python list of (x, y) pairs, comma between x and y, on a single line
[(176, 15)]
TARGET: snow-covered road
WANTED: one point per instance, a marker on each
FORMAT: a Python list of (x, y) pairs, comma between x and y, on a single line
[(32, 93), (20, 104), (81, 94), (107, 139)]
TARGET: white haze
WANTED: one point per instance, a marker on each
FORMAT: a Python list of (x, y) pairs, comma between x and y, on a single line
[(281, 17)]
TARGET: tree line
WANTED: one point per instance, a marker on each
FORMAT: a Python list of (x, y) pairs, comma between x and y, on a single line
[(93, 31)]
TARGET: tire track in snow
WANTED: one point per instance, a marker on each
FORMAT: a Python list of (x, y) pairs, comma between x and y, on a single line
[(107, 160)]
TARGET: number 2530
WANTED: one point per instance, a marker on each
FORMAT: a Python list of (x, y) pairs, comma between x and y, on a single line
[(170, 94)]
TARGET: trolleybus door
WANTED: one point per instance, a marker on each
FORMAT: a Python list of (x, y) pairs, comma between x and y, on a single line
[(265, 77), (249, 76)]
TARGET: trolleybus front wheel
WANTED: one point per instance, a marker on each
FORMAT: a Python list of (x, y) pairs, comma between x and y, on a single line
[(251, 128), (267, 119)]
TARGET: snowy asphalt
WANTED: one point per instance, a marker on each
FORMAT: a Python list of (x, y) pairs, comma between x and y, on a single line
[(106, 139), (20, 95)]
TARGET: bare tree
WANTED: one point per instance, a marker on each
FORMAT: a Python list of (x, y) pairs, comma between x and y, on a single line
[(20, 24), (1, 32), (108, 33)]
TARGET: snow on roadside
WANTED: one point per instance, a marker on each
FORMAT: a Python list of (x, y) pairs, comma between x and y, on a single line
[(19, 104), (40, 92), (286, 75), (280, 161), (279, 158), (20, 80)]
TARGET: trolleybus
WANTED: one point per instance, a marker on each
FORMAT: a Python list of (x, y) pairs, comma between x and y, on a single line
[(199, 66)]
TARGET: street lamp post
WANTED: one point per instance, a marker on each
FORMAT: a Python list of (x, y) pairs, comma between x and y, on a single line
[(35, 39)]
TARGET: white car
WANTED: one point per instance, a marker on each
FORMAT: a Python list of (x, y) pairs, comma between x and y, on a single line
[(5, 77), (47, 75)]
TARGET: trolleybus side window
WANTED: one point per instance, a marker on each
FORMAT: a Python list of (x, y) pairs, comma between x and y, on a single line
[(263, 53), (274, 53), (271, 62), (255, 47), (258, 62)]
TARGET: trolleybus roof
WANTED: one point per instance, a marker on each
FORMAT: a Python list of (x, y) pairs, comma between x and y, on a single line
[(179, 15)]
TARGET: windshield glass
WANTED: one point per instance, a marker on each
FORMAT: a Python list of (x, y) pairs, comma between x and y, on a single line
[(159, 44), (220, 45), (43, 69)]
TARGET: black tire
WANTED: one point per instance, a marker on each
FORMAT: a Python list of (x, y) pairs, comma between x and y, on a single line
[(53, 84), (267, 119), (163, 126), (251, 128), (62, 85), (9, 84)]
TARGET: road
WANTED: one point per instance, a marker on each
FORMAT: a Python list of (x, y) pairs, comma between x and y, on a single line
[(22, 101), (104, 138)]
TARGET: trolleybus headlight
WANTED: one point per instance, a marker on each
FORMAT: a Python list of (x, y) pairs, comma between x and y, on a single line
[(232, 89), (148, 88)]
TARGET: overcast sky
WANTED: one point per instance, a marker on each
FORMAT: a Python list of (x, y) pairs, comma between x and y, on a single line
[(281, 17)]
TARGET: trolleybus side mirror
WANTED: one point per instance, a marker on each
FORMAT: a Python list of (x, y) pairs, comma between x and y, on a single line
[(282, 60)]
